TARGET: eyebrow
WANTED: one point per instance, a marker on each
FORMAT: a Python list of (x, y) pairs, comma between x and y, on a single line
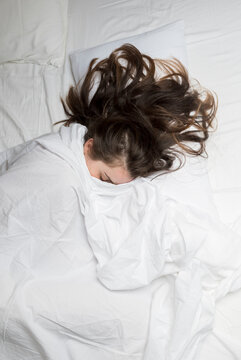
[(110, 179)]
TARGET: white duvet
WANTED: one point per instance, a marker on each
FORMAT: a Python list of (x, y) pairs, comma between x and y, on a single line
[(91, 270)]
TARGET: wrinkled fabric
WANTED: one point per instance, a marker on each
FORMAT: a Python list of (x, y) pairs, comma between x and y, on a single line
[(94, 270)]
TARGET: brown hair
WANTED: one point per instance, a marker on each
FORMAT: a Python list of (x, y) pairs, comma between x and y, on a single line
[(137, 116)]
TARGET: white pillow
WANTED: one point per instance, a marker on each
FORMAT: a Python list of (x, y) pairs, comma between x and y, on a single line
[(163, 42), (33, 31)]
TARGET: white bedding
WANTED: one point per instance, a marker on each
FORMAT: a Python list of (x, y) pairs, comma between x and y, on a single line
[(33, 32), (30, 105), (146, 256)]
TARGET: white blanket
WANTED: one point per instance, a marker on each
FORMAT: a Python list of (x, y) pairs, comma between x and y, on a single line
[(91, 270)]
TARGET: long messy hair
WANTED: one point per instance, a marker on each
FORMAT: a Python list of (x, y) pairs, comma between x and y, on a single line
[(143, 113)]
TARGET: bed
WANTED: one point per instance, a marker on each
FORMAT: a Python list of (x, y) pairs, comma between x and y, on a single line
[(77, 303)]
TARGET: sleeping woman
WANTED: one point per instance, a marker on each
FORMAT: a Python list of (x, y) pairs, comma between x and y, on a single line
[(138, 121), (63, 230)]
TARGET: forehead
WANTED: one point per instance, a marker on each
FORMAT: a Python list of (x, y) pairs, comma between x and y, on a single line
[(118, 174)]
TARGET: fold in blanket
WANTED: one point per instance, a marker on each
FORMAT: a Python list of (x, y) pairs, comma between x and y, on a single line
[(126, 244)]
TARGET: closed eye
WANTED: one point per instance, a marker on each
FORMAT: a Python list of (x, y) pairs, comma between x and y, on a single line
[(104, 180), (107, 180)]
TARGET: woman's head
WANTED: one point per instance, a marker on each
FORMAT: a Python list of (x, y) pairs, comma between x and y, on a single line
[(114, 172), (138, 120)]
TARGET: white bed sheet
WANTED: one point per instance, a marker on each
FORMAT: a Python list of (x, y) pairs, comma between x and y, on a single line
[(213, 34), (146, 256)]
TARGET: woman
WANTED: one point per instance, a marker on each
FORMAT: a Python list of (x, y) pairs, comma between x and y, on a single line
[(137, 117), (61, 234)]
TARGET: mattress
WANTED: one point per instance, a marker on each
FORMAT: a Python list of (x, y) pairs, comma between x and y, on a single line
[(30, 105)]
